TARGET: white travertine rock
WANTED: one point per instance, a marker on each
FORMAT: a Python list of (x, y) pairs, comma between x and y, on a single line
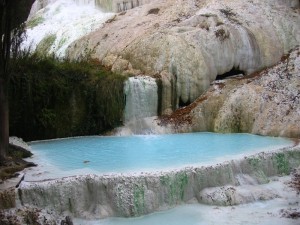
[(127, 195), (266, 103), (236, 195), (195, 41)]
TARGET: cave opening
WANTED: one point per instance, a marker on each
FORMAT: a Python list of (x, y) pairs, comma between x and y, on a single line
[(231, 73), (183, 104)]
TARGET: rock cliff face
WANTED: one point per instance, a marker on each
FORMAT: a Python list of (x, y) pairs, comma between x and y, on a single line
[(266, 103), (188, 43), (185, 45)]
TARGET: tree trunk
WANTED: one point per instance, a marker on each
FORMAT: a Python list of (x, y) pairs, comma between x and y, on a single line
[(5, 25), (12, 14), (4, 125)]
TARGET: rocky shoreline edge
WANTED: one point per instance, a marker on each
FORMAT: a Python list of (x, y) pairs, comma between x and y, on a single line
[(128, 195)]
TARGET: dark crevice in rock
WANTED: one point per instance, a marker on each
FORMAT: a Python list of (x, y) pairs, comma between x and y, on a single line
[(153, 11), (159, 94), (183, 104), (233, 72)]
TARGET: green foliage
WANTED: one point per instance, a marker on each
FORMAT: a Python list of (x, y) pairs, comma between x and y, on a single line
[(35, 21), (51, 98), (139, 200), (18, 152), (261, 176), (254, 162), (175, 186), (62, 42), (282, 163), (45, 45)]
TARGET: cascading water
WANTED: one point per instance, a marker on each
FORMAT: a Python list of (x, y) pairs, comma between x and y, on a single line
[(118, 5), (53, 25), (141, 102), (106, 5)]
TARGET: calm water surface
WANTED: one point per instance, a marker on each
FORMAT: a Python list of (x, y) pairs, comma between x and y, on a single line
[(148, 152)]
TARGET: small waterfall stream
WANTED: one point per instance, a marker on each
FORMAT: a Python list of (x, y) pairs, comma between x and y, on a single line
[(141, 98)]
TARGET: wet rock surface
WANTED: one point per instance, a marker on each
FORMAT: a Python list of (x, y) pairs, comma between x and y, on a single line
[(17, 151), (295, 183), (32, 216), (235, 195), (128, 195)]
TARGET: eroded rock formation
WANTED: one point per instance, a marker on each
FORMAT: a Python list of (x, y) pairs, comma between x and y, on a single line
[(188, 43), (266, 103)]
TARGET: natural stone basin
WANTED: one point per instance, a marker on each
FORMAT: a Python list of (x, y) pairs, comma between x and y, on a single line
[(138, 175), (144, 153)]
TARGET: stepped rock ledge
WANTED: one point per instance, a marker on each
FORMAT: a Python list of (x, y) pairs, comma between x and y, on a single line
[(127, 195)]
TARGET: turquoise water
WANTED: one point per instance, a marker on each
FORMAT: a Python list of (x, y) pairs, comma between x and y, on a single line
[(148, 152)]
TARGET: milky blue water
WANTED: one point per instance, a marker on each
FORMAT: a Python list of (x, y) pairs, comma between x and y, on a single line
[(259, 213), (148, 152)]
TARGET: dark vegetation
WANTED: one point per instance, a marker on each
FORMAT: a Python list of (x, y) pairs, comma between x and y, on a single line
[(230, 15), (43, 98), (222, 34), (12, 15), (51, 99), (228, 12), (153, 11)]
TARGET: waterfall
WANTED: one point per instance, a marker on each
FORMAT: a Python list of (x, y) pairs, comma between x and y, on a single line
[(106, 5), (141, 108), (141, 98), (54, 24), (114, 5)]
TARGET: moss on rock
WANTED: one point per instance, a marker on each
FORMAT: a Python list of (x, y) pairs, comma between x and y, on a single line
[(282, 163)]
